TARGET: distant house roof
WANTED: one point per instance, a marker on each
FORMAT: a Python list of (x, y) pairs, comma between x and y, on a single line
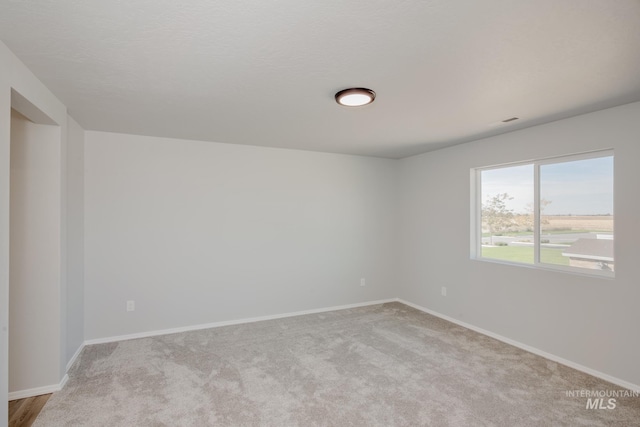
[(595, 249)]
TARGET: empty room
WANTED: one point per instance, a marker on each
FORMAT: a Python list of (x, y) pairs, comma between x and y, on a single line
[(337, 213)]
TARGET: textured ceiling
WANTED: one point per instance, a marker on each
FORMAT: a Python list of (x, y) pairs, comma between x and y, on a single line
[(265, 72)]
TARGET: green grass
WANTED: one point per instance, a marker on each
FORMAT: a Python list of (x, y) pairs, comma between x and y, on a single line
[(524, 254)]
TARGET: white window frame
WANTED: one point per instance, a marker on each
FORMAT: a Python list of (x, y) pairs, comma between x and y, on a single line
[(476, 213)]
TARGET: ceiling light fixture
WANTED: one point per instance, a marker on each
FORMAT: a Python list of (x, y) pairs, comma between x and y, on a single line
[(355, 97)]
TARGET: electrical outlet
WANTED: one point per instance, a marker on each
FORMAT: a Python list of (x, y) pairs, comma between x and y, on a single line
[(363, 282), (131, 306), (443, 291)]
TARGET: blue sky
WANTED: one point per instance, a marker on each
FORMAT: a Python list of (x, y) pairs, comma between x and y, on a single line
[(581, 187)]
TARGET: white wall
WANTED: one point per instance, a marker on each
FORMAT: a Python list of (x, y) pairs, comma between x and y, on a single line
[(19, 87), (34, 291), (75, 239), (590, 321), (199, 232), (5, 173)]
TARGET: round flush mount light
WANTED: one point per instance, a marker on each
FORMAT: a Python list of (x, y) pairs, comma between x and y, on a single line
[(355, 97)]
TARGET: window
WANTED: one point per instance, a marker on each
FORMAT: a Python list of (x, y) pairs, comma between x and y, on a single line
[(553, 213)]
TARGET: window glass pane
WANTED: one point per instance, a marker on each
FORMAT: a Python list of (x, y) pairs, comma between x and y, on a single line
[(576, 213), (507, 213)]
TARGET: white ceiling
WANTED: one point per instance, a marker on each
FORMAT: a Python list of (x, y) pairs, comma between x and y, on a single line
[(265, 72)]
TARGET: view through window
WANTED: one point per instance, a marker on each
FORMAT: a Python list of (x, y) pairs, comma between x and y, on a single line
[(555, 213)]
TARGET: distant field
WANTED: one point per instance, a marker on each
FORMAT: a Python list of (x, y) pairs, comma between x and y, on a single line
[(551, 223), (557, 224), (586, 223)]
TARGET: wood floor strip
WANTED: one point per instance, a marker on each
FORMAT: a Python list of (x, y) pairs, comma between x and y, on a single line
[(23, 412), (14, 406)]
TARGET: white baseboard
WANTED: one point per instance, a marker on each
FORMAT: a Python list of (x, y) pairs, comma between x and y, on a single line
[(21, 394), (528, 348), (63, 382), (232, 322), (75, 356), (37, 391), (506, 340)]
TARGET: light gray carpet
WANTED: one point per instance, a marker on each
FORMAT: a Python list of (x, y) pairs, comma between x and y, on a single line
[(384, 365)]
